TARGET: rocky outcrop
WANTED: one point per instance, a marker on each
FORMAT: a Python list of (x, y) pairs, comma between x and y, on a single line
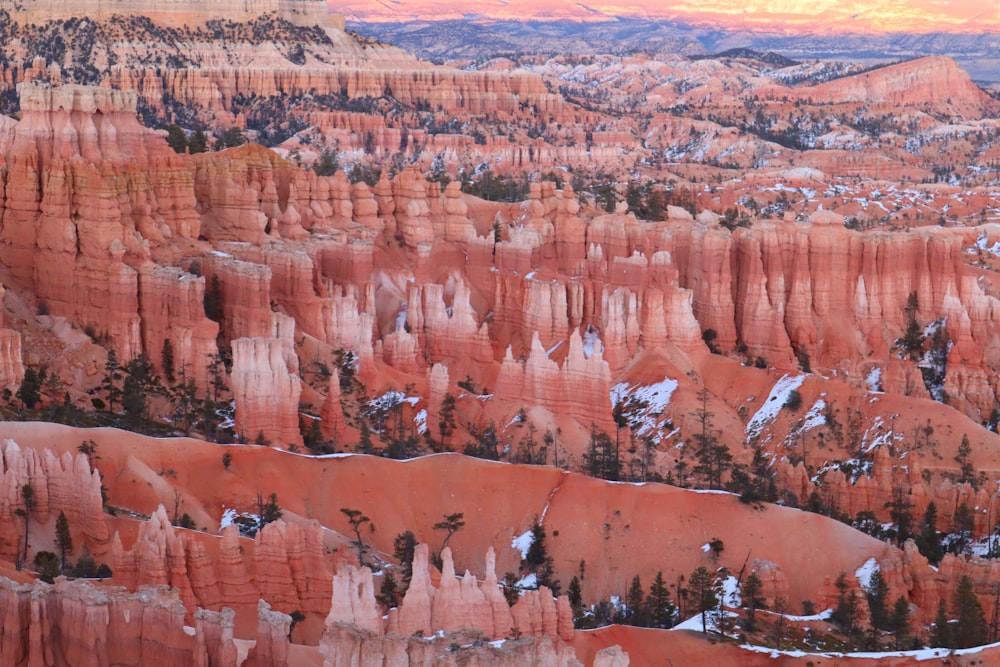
[(457, 611), (579, 388), (78, 623), (286, 566), (934, 83), (266, 386), (341, 645), (60, 484)]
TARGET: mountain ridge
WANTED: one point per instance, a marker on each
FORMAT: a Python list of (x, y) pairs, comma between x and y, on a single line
[(796, 16)]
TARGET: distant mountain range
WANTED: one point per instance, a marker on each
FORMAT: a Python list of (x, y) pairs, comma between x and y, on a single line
[(482, 37), (788, 16)]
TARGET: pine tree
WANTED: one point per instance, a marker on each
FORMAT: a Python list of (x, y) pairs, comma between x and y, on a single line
[(199, 142), (714, 457), (701, 584), (928, 540), (267, 511), (846, 613), (971, 627), (176, 138), (451, 523), (357, 519), (899, 622), (64, 539), (660, 609), (899, 511), (634, 603), (967, 471), (446, 422), (402, 548), (28, 499), (212, 301), (110, 381), (140, 381), (964, 523), (30, 391), (575, 596), (389, 593), (752, 595), (941, 634), (167, 361), (876, 593)]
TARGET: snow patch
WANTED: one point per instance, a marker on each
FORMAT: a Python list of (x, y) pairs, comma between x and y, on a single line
[(645, 404), (591, 341), (523, 542), (528, 582), (775, 401), (815, 417), (731, 596), (227, 518), (874, 380), (864, 573), (420, 420)]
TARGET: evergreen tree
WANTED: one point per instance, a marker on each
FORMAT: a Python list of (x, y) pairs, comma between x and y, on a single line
[(575, 596), (846, 613), (713, 457), (451, 524), (212, 301), (660, 609), (176, 138), (267, 512), (139, 382), (899, 622), (635, 609), (110, 382), (389, 593), (357, 519), (962, 535), (538, 561), (446, 421), (64, 539), (877, 593), (970, 630), (402, 548), (167, 361), (752, 594), (30, 391), (28, 499), (967, 471), (928, 540), (941, 634), (701, 585), (600, 459), (199, 142), (899, 512)]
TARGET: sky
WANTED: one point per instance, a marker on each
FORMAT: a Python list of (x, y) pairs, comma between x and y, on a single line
[(792, 16)]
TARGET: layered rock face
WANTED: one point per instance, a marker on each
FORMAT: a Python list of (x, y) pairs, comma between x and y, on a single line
[(60, 484), (457, 608), (266, 386), (78, 623), (89, 194), (286, 566)]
